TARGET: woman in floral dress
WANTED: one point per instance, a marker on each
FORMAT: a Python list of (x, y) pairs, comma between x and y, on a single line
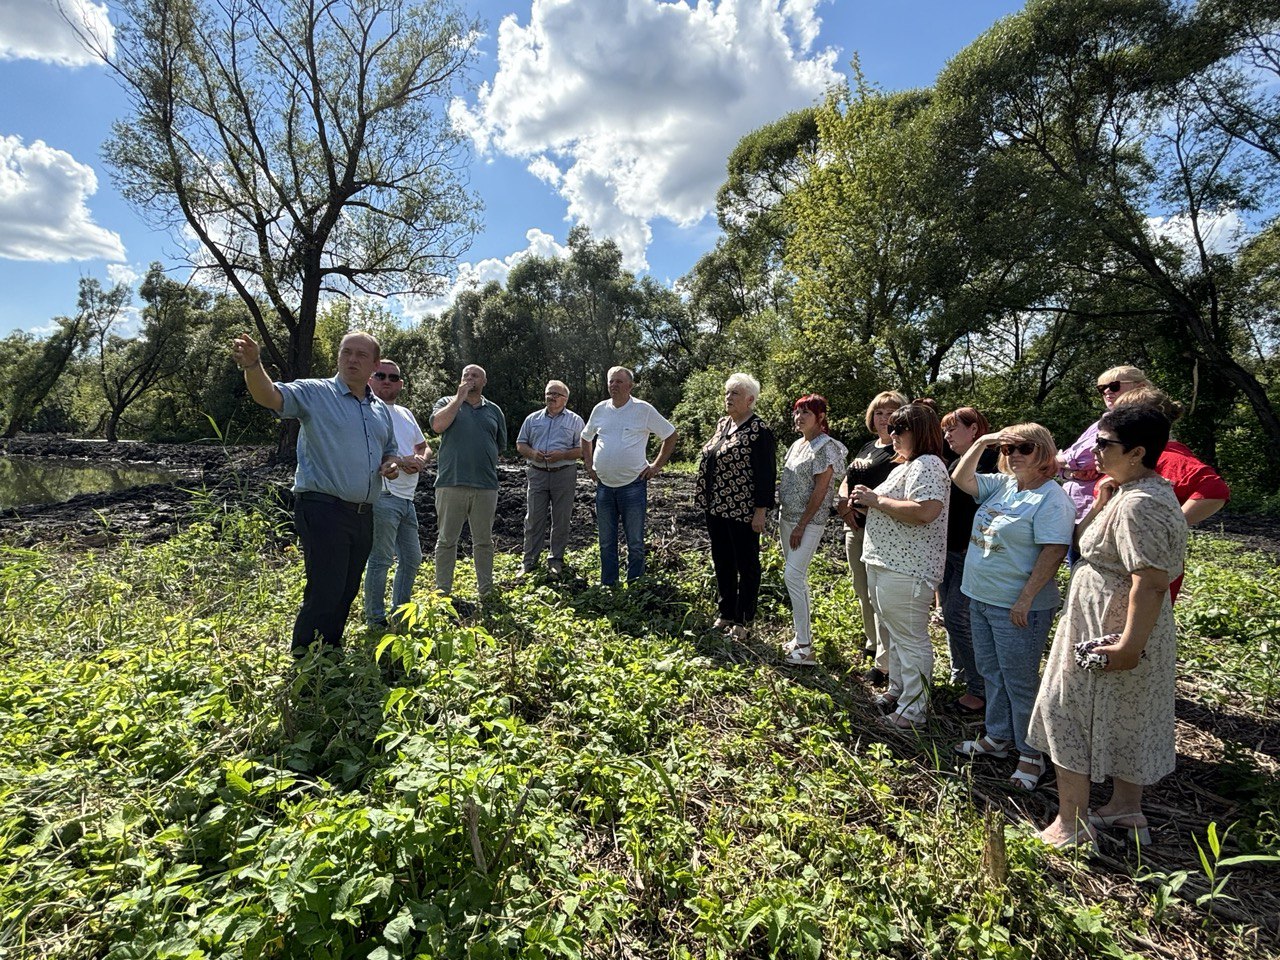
[(1115, 719)]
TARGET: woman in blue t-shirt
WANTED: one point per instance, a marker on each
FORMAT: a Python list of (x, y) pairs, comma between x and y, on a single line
[(1020, 536)]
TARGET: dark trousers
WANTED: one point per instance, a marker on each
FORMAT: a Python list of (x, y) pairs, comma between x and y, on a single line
[(735, 554), (335, 542)]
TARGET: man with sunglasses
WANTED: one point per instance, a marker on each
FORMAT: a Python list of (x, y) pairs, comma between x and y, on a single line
[(550, 440), (395, 518)]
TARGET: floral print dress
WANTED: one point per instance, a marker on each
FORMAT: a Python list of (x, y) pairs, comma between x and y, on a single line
[(1115, 723)]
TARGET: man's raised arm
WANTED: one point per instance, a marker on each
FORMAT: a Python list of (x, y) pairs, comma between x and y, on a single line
[(248, 357)]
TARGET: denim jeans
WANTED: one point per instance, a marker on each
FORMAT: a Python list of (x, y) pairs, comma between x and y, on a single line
[(955, 614), (627, 504), (1009, 658), (395, 537)]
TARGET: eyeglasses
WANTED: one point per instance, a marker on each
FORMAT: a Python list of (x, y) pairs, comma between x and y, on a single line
[(552, 396), (1101, 443), (393, 377), (1026, 448), (1112, 387), (898, 428)]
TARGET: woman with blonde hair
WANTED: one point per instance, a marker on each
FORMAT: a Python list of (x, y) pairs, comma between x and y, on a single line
[(870, 467), (1076, 465), (1020, 533)]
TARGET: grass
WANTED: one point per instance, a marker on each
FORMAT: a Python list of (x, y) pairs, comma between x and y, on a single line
[(587, 773)]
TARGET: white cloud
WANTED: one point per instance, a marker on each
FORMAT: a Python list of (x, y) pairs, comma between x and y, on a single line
[(43, 215), (1222, 232), (38, 30), (630, 108), (474, 276), (123, 273)]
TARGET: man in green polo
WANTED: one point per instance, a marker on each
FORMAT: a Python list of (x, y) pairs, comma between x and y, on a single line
[(473, 431)]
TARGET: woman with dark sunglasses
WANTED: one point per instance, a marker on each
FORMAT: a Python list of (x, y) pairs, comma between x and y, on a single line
[(1076, 466), (1020, 534), (905, 552), (1106, 703)]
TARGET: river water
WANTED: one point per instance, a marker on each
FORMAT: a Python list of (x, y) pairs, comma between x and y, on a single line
[(31, 480)]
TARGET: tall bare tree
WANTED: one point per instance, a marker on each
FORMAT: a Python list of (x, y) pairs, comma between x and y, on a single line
[(304, 144)]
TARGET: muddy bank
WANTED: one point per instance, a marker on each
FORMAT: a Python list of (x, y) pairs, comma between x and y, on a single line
[(227, 475), (237, 475)]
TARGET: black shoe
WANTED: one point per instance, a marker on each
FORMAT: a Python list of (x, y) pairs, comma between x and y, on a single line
[(876, 677)]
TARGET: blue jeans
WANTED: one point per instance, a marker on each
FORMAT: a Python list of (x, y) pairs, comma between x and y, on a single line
[(395, 537), (626, 503), (1009, 658), (955, 614)]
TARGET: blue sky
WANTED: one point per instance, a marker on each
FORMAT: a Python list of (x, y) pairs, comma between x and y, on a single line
[(616, 113)]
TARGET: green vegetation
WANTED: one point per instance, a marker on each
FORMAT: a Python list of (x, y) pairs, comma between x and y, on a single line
[(588, 773)]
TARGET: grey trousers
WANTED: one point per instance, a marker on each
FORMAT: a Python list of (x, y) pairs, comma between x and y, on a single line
[(853, 537), (550, 499), (475, 506)]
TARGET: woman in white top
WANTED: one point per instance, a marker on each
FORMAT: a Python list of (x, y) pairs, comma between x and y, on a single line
[(806, 495), (905, 551)]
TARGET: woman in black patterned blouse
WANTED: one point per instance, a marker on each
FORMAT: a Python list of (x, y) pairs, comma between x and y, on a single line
[(736, 478)]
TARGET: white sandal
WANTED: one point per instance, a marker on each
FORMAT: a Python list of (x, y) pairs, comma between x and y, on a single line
[(800, 656), (1027, 781), (985, 747)]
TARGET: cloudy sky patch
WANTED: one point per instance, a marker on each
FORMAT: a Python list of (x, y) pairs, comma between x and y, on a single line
[(38, 30), (43, 214), (630, 107)]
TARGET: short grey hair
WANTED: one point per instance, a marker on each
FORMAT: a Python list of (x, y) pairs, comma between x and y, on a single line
[(557, 383), (749, 384), (612, 370)]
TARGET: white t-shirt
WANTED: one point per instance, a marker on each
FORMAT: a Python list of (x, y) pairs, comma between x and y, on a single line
[(408, 436), (918, 550), (621, 438)]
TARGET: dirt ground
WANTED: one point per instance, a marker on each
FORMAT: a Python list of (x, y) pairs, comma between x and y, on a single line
[(229, 474), (152, 513)]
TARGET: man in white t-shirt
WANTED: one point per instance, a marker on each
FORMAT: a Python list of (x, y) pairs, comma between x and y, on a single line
[(615, 454), (395, 518)]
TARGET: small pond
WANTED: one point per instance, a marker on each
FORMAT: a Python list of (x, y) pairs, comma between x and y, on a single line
[(30, 480)]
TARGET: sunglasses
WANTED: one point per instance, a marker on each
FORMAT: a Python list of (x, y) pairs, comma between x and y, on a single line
[(1025, 448), (1101, 443), (393, 377), (896, 428), (1112, 387)]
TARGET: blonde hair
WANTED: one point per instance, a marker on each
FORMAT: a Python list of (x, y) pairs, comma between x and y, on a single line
[(1046, 449), (1124, 373), (1155, 397), (886, 398)]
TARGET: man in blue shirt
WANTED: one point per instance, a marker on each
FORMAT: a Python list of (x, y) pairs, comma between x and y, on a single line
[(550, 440), (345, 447)]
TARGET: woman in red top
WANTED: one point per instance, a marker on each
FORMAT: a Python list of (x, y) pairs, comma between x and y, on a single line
[(1199, 489)]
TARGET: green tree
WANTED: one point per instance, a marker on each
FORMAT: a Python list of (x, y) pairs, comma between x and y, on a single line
[(1095, 103), (128, 367), (39, 364)]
